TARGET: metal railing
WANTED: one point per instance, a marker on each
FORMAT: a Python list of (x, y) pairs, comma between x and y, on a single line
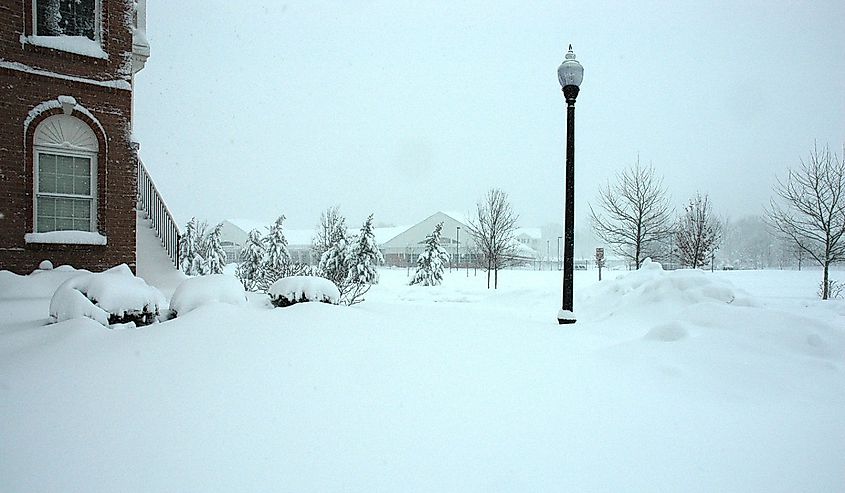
[(150, 201)]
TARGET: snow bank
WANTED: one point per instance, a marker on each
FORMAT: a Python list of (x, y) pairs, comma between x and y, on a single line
[(42, 283), (296, 289), (652, 289), (195, 292), (109, 297)]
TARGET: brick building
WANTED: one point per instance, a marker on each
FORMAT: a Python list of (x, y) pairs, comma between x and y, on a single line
[(67, 160)]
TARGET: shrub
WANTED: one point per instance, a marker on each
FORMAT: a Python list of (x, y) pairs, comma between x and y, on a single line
[(300, 289), (114, 296), (195, 292)]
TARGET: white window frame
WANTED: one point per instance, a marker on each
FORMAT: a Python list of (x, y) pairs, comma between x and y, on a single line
[(58, 151), (98, 21)]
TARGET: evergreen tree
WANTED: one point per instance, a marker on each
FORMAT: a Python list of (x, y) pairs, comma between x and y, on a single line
[(215, 257), (250, 269), (199, 265), (363, 257), (187, 247), (432, 261), (334, 264), (277, 258)]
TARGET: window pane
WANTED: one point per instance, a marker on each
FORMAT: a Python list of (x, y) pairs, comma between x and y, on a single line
[(65, 17), (46, 206), (81, 186), (64, 184), (46, 224), (82, 209), (47, 162), (64, 224), (81, 166), (64, 208), (64, 165)]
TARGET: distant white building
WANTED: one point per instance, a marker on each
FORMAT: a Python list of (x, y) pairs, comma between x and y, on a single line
[(400, 245)]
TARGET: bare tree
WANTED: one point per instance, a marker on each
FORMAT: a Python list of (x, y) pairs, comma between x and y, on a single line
[(811, 209), (635, 217), (697, 233), (493, 228)]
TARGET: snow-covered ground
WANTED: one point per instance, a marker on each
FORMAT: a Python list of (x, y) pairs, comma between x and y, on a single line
[(670, 381)]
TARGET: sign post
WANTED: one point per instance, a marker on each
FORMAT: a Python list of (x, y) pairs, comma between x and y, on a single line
[(599, 260)]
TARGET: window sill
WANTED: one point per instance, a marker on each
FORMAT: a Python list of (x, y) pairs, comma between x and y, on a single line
[(67, 238), (79, 45)]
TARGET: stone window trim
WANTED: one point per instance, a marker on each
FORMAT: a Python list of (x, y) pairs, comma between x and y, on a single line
[(31, 161)]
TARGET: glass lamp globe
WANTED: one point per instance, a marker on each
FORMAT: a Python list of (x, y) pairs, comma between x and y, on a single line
[(570, 72)]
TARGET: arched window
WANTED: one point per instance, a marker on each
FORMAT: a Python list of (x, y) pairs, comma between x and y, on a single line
[(65, 160)]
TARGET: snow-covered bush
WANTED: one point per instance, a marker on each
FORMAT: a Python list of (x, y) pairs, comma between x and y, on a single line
[(195, 292), (299, 289), (111, 297)]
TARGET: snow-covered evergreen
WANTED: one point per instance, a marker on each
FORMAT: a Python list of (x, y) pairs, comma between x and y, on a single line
[(365, 256), (362, 259), (277, 256), (432, 260), (215, 256), (334, 264), (193, 249), (187, 247), (251, 267)]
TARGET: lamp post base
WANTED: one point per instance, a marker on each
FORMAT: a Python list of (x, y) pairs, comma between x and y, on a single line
[(565, 317)]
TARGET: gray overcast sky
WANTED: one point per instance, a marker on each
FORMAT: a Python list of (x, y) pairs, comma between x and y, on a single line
[(251, 109)]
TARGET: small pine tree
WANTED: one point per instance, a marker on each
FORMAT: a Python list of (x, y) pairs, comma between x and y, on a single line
[(250, 269), (187, 247), (365, 256), (432, 260), (277, 257), (215, 256), (362, 261)]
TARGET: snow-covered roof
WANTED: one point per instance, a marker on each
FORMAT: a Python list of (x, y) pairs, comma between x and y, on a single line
[(533, 233)]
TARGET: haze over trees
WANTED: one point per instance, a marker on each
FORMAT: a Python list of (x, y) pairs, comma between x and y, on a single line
[(634, 216), (493, 227), (809, 209)]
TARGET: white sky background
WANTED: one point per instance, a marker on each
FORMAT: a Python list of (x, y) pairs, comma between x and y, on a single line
[(252, 109)]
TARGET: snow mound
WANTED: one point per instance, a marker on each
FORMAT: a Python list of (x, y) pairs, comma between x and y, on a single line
[(195, 292), (667, 332), (297, 289), (651, 288), (114, 296), (39, 284)]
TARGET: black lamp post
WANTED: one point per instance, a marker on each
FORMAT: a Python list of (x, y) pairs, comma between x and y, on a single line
[(570, 74), (458, 248)]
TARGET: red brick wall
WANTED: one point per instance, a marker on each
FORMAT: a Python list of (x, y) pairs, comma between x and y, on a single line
[(20, 92)]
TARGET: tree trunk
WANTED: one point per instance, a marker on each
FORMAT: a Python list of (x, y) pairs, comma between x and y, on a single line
[(496, 279), (826, 281)]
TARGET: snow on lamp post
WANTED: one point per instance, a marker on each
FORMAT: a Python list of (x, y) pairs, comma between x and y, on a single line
[(569, 74)]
